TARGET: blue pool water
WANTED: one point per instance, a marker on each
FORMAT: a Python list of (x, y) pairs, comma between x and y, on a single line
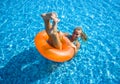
[(97, 61)]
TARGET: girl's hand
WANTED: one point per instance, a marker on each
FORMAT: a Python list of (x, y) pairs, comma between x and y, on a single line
[(77, 45)]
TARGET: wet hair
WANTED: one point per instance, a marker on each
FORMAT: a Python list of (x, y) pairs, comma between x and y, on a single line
[(83, 35)]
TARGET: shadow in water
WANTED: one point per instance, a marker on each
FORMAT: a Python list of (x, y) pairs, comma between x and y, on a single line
[(26, 67)]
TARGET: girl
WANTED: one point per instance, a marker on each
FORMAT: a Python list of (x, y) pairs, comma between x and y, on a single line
[(55, 36)]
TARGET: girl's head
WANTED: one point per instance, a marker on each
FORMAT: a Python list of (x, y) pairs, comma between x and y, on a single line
[(79, 33)]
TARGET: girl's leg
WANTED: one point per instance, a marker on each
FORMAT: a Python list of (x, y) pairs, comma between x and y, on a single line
[(46, 18), (51, 30), (56, 41)]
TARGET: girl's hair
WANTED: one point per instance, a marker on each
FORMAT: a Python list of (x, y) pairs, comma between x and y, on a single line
[(83, 35)]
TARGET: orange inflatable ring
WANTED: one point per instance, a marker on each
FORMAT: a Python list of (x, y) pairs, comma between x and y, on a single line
[(52, 53)]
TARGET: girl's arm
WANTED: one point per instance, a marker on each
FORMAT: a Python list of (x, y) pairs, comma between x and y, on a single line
[(77, 46), (66, 34)]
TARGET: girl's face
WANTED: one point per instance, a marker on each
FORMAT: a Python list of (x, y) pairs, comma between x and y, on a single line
[(76, 34)]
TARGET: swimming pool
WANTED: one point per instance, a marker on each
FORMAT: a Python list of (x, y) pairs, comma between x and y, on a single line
[(98, 60)]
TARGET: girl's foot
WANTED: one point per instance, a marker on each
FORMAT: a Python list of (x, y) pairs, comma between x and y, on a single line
[(55, 19), (48, 16)]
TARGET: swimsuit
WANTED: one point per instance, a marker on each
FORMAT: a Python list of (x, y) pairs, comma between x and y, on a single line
[(74, 42)]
